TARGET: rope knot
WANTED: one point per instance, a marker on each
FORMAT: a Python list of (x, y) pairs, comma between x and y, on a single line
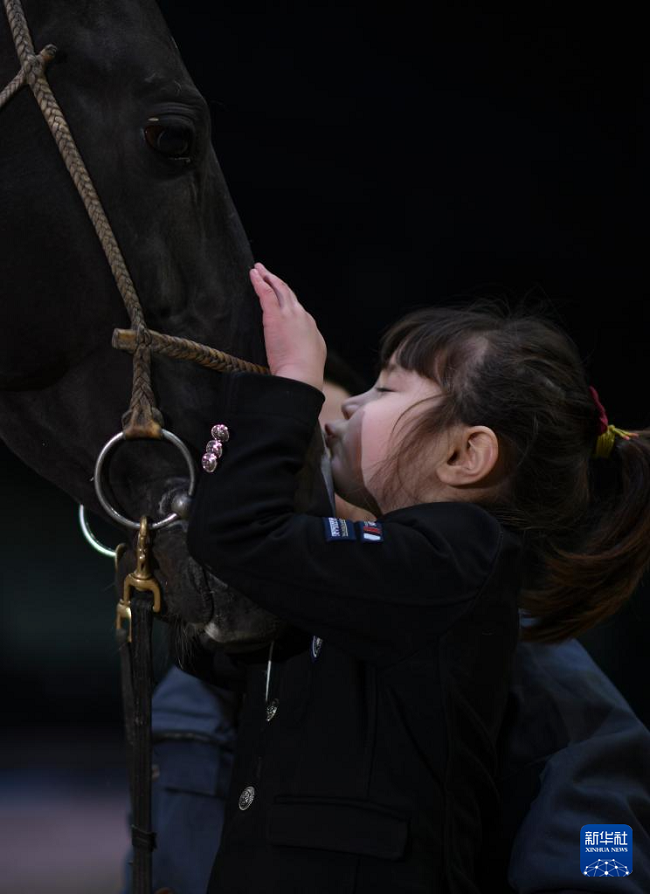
[(37, 62), (142, 335)]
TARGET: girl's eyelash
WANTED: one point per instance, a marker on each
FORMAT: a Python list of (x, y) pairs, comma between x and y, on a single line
[(377, 388)]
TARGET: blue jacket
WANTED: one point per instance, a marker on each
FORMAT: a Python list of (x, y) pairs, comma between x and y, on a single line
[(194, 728), (573, 752)]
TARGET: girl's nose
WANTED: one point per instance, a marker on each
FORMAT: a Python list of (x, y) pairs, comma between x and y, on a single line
[(352, 403), (348, 406)]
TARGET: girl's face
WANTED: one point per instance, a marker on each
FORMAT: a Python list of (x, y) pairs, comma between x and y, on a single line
[(361, 441)]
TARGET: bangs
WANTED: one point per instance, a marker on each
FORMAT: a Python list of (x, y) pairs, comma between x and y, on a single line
[(438, 343)]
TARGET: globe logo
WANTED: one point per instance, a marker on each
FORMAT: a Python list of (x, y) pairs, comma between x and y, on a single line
[(606, 867)]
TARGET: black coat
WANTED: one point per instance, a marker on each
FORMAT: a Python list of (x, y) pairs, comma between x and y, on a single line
[(370, 766)]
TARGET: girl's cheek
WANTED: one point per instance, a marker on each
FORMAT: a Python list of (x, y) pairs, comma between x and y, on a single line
[(371, 449)]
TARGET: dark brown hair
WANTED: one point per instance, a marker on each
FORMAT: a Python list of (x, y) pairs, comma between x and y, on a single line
[(585, 522)]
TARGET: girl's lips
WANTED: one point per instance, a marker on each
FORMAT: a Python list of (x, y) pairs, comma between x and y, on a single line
[(330, 435)]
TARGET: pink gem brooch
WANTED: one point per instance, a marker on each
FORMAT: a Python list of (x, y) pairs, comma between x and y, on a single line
[(214, 447)]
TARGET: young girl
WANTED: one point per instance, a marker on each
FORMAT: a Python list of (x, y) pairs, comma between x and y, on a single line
[(366, 752)]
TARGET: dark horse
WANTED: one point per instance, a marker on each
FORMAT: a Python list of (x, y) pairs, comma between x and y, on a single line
[(63, 388)]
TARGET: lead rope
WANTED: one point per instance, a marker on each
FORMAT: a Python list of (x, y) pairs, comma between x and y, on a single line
[(137, 685)]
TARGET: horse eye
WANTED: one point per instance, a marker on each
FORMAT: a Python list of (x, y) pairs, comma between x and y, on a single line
[(174, 141)]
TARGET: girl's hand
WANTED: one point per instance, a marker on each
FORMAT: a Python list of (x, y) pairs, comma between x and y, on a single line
[(294, 346)]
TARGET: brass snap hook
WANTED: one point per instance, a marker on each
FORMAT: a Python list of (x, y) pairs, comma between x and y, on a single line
[(141, 579)]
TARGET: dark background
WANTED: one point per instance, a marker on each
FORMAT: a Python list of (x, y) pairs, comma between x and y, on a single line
[(379, 162)]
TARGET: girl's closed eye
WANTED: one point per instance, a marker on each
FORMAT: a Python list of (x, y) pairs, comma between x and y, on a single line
[(377, 388)]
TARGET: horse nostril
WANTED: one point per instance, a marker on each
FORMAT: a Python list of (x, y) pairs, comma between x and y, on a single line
[(181, 505)]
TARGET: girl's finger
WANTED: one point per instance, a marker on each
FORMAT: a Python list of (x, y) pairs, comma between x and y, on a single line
[(264, 290), (274, 283), (279, 285)]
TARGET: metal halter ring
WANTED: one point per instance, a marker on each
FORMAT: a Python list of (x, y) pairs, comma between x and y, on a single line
[(90, 537), (167, 435)]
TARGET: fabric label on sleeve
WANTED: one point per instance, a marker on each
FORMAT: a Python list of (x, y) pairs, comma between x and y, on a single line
[(371, 531), (339, 529)]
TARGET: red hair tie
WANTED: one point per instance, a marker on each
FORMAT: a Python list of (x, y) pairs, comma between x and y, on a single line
[(603, 421), (606, 433)]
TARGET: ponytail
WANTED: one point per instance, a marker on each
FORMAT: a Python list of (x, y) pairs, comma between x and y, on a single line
[(584, 585)]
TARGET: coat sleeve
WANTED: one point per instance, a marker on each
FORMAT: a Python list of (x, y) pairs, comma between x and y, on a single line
[(373, 596)]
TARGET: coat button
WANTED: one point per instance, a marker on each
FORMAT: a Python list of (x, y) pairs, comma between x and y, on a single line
[(246, 798), (272, 709)]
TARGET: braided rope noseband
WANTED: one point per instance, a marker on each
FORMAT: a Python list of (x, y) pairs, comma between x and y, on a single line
[(143, 418)]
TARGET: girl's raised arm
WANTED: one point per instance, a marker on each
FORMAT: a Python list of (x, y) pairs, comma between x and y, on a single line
[(379, 590)]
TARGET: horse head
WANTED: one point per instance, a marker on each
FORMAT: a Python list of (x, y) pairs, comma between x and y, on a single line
[(143, 131)]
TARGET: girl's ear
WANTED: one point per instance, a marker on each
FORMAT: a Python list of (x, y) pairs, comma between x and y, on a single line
[(473, 455)]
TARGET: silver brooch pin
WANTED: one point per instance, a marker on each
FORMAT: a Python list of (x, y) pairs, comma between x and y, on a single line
[(214, 447)]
